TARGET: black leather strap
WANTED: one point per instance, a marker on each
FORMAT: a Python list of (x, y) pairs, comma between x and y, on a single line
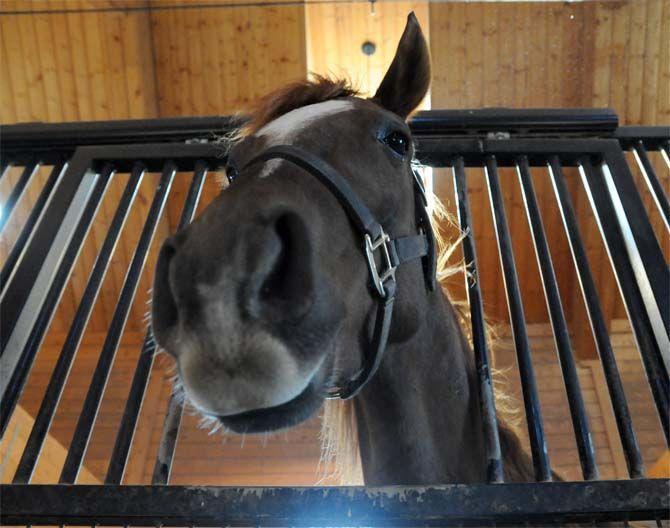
[(408, 248), (372, 361), (400, 250), (326, 174)]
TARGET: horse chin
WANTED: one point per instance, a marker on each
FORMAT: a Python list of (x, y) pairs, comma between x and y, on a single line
[(288, 414)]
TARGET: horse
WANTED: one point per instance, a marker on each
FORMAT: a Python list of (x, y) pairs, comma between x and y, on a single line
[(312, 276)]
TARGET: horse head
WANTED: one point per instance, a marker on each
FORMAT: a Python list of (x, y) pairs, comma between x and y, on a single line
[(269, 301)]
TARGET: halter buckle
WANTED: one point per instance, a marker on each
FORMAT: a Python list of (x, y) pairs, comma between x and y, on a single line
[(382, 241)]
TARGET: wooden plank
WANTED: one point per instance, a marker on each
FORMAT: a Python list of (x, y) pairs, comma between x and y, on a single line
[(635, 63), (619, 58), (7, 104), (663, 101), (611, 430), (506, 56), (51, 459), (651, 64), (15, 70), (661, 469), (32, 67)]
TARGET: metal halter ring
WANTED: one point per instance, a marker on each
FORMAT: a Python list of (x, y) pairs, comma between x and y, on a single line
[(387, 274)]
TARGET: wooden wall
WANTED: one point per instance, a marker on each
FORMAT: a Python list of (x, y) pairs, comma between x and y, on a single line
[(553, 54), (336, 32)]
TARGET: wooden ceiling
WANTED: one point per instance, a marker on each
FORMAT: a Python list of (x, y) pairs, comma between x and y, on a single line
[(69, 60)]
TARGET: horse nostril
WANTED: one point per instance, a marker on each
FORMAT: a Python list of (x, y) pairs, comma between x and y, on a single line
[(163, 307), (287, 280)]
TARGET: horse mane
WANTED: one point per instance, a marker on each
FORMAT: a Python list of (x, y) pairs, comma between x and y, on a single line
[(340, 454)]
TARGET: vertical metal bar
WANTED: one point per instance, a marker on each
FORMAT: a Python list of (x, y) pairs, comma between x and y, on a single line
[(4, 168), (559, 325), (605, 215), (665, 152), (531, 400), (650, 269), (26, 231), (96, 389), (124, 438), (17, 192), (486, 396), (44, 240), (653, 284), (655, 187), (61, 371), (597, 321), (19, 372), (168, 444)]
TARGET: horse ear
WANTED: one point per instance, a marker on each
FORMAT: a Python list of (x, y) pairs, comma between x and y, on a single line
[(407, 80)]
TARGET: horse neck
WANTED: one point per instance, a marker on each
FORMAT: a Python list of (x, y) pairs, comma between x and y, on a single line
[(418, 419)]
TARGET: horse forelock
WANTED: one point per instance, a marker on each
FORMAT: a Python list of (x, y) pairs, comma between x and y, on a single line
[(293, 96)]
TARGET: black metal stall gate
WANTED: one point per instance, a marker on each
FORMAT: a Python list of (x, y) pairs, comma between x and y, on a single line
[(85, 157)]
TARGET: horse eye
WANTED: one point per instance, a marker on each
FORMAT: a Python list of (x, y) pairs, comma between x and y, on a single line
[(397, 142), (231, 173)]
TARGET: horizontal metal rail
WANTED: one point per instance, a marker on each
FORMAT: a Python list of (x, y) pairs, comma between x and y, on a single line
[(472, 505), (41, 136)]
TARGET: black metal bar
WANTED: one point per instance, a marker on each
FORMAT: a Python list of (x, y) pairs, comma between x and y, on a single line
[(61, 371), (599, 197), (32, 136), (17, 192), (655, 187), (531, 400), (597, 321), (580, 422), (653, 136), (650, 268), (486, 396), (665, 152), (17, 291), (20, 372), (43, 136), (590, 121), (124, 438), (554, 503), (31, 221), (96, 389), (4, 168), (168, 444), (439, 151)]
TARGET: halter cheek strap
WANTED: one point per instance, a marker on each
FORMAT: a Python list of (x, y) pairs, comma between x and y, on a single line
[(383, 254)]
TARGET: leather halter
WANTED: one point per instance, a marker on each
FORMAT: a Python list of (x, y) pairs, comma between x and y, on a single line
[(383, 254)]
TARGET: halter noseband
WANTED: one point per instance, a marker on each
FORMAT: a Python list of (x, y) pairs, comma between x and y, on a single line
[(393, 252)]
